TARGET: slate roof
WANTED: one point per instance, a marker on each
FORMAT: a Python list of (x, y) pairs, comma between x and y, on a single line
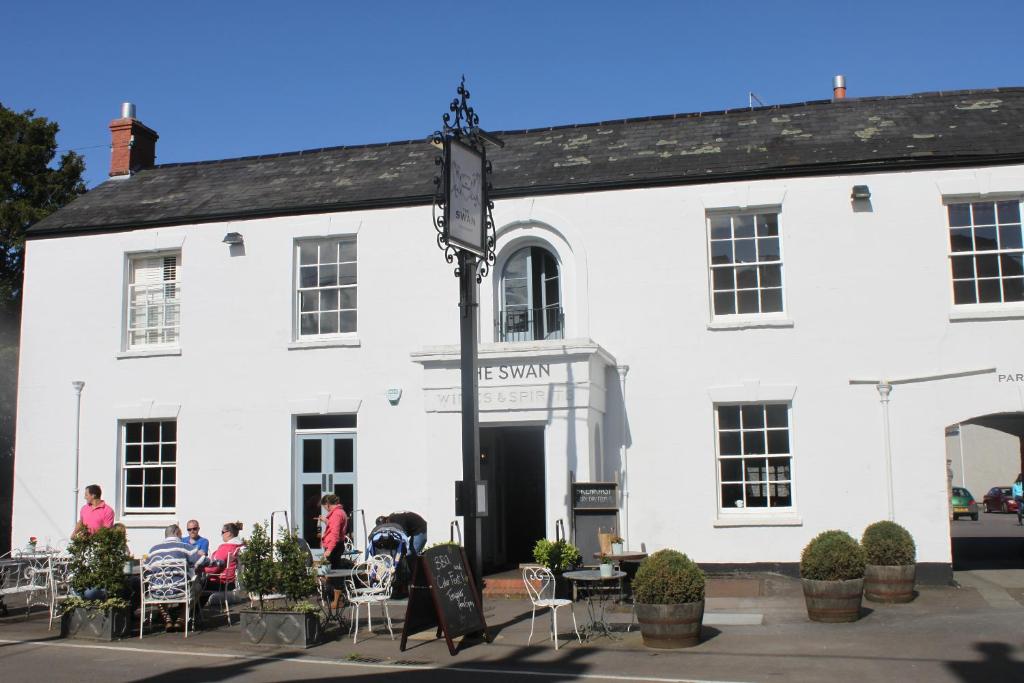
[(942, 129)]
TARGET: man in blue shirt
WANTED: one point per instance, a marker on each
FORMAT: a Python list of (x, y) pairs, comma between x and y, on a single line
[(194, 539)]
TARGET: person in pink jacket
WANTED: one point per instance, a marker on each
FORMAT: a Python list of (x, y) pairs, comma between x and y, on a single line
[(336, 524), (223, 562), (333, 539)]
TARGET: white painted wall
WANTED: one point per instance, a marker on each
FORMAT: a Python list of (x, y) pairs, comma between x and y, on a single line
[(868, 294)]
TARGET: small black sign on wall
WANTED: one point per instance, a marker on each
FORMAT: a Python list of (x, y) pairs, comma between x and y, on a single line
[(603, 495)]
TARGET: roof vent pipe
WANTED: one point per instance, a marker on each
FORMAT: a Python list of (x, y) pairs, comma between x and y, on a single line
[(127, 110), (839, 87)]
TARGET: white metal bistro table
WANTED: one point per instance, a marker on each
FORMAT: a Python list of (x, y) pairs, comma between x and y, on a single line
[(593, 586), (326, 589)]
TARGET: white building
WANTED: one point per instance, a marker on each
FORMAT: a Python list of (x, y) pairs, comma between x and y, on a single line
[(685, 305)]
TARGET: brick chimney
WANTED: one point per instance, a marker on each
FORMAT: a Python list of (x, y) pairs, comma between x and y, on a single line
[(839, 88), (132, 143)]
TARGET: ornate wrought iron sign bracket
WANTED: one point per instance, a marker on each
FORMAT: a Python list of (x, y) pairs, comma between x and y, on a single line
[(462, 205)]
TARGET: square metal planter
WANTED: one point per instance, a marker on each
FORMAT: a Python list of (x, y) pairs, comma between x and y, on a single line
[(96, 624), (280, 629)]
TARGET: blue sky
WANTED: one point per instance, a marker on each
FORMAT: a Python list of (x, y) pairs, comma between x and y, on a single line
[(224, 79)]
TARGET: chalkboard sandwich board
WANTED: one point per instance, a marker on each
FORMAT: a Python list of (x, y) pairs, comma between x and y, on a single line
[(442, 594)]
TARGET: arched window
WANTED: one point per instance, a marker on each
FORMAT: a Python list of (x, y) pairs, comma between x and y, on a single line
[(531, 304)]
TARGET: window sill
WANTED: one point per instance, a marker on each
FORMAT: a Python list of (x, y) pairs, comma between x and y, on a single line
[(986, 312), (337, 342), (758, 520), (148, 353), (148, 520), (748, 322)]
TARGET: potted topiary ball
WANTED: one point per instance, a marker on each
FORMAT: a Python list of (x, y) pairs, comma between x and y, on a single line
[(668, 593), (891, 557), (832, 569)]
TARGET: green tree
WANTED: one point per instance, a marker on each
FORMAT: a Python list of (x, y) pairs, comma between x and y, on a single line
[(257, 560), (32, 186)]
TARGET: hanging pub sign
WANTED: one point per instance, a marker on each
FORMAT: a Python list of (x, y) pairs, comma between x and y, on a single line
[(465, 208)]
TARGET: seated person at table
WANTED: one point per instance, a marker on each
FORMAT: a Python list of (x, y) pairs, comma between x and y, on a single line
[(172, 547), (223, 562), (193, 537)]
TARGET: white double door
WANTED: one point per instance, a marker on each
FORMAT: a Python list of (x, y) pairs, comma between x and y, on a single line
[(324, 463)]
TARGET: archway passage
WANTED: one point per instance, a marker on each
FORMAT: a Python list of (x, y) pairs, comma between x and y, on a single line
[(984, 456)]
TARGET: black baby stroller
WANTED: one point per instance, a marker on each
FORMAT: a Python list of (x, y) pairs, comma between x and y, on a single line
[(390, 540)]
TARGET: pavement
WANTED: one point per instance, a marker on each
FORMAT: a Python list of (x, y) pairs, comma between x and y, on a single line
[(948, 633)]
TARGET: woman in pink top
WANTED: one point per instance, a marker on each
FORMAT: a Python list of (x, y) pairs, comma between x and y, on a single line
[(332, 540), (223, 562)]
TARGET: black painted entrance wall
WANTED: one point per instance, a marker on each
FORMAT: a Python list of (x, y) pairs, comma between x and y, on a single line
[(513, 462)]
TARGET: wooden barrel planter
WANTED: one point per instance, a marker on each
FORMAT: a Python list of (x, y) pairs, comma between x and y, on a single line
[(670, 626), (833, 601), (889, 584)]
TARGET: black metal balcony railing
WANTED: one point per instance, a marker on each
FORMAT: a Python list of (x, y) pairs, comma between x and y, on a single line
[(529, 324)]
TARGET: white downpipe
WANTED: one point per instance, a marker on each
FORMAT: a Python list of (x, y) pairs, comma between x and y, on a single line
[(623, 369), (884, 389), (960, 442), (77, 385)]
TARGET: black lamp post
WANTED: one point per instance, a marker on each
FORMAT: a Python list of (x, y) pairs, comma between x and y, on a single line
[(465, 232)]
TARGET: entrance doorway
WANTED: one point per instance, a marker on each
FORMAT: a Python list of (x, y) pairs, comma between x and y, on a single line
[(512, 460), (324, 463)]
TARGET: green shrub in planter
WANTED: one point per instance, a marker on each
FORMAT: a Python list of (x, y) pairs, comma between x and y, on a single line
[(558, 556), (888, 544), (668, 577), (833, 556), (257, 558)]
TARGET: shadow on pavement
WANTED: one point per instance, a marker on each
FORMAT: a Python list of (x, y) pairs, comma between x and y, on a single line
[(566, 667), (997, 665), (993, 552)]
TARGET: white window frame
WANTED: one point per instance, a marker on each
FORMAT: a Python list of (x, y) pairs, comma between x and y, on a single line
[(981, 310), (768, 482), (158, 307), (749, 319), (339, 338), (536, 318), (127, 463)]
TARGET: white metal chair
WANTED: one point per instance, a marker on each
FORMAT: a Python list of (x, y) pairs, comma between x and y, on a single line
[(13, 580), (60, 584), (540, 584), (228, 576), (167, 582), (23, 574), (370, 584)]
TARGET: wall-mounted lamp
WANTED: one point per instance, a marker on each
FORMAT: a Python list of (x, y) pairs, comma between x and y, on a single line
[(860, 192), (394, 396), (233, 239)]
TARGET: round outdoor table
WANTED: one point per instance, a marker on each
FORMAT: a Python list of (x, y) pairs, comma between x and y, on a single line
[(593, 587), (621, 557), (327, 588), (628, 562)]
